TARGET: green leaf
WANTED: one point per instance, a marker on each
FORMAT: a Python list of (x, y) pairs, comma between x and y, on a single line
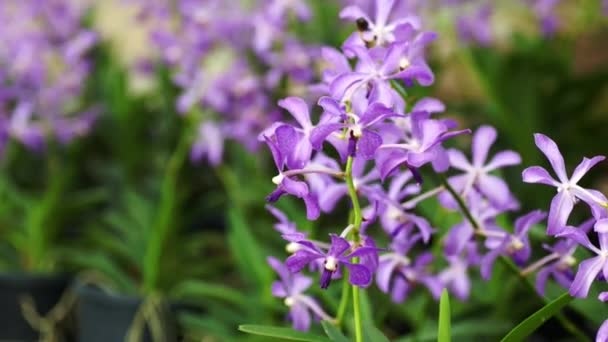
[(195, 289), (284, 333), (333, 332), (443, 333), (530, 324), (247, 251), (370, 332)]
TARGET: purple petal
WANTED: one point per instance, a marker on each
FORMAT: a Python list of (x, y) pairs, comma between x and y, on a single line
[(385, 273), (312, 207), (586, 274), (458, 160), (339, 245), (358, 275), (495, 189), (457, 238), (297, 261), (602, 333), (300, 316), (551, 151), (537, 174), (293, 187), (561, 207), (353, 13), (320, 133), (584, 167), (429, 105), (502, 159), (483, 139), (298, 109), (368, 144), (278, 290)]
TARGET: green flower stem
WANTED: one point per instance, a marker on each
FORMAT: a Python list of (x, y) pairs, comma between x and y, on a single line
[(352, 192), (564, 321), (357, 309), (357, 220)]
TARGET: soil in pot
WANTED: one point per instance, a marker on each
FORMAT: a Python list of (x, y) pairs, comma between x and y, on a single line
[(104, 317), (44, 290)]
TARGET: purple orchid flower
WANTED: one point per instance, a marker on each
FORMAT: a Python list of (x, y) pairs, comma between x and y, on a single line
[(376, 67), (362, 139), (477, 174), (568, 190), (287, 185), (558, 264), (397, 274), (476, 26), (292, 288), (589, 269), (365, 184), (455, 277), (382, 30), (420, 146), (209, 143), (359, 275), (394, 217), (514, 245), (484, 215)]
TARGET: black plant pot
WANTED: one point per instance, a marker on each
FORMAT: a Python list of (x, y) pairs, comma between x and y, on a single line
[(44, 290), (104, 317)]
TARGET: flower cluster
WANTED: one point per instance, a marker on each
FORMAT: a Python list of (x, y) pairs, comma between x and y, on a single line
[(43, 67), (228, 60), (379, 146), (371, 144)]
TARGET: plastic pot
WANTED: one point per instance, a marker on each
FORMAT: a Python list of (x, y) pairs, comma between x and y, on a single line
[(44, 290), (106, 317)]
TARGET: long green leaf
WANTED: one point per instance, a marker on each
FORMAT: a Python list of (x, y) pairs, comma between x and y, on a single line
[(370, 332), (333, 332), (247, 251), (196, 289), (284, 333), (443, 333), (530, 324)]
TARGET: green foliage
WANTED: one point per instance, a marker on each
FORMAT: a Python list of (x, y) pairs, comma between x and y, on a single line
[(530, 324), (282, 333), (444, 333)]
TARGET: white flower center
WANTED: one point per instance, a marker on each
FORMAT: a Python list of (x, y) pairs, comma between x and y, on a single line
[(289, 301), (278, 179), (292, 247), (331, 264), (404, 63)]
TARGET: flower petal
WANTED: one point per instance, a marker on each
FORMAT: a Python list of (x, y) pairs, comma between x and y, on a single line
[(502, 159), (551, 151), (483, 139), (561, 207), (537, 174), (358, 275), (298, 109), (368, 144), (586, 274), (300, 317), (584, 167)]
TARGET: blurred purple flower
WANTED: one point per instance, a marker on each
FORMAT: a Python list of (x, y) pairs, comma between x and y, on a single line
[(477, 174), (589, 269), (292, 287), (397, 274), (381, 30), (502, 243)]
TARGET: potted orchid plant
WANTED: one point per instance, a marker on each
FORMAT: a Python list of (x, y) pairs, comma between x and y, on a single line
[(43, 71)]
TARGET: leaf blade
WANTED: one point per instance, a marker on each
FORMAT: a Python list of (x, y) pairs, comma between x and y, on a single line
[(534, 321), (280, 332), (444, 327)]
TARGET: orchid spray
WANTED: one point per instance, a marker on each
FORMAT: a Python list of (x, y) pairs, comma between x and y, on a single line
[(376, 138), (376, 146)]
